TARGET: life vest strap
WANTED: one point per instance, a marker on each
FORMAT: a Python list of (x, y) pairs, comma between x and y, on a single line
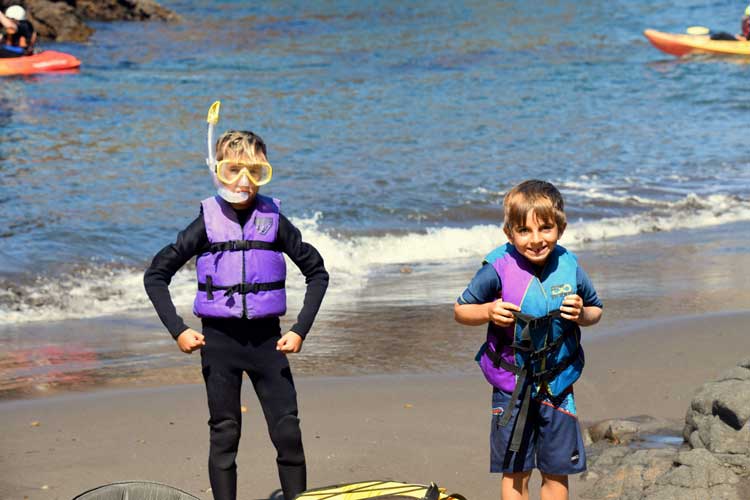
[(547, 375), (242, 245), (241, 288), (526, 346), (527, 377)]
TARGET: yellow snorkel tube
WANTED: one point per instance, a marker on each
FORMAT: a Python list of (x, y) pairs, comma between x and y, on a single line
[(212, 118)]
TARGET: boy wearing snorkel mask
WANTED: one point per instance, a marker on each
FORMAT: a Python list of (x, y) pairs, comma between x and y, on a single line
[(238, 239)]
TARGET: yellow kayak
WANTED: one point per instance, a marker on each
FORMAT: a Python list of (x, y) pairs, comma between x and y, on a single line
[(682, 45)]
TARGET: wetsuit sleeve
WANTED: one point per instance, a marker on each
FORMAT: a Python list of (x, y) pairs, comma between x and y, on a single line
[(586, 289), (309, 261), (190, 242), (484, 287)]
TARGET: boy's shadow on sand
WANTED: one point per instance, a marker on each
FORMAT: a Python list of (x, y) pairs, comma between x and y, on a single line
[(275, 495)]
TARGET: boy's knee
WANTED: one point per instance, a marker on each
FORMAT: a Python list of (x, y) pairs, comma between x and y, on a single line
[(287, 437), (517, 476), (562, 479), (225, 435), (555, 486), (515, 483)]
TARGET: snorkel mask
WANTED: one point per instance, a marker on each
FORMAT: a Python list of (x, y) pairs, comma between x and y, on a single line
[(227, 171)]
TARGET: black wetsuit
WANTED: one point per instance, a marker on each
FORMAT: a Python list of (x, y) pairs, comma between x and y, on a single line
[(236, 345), (11, 43)]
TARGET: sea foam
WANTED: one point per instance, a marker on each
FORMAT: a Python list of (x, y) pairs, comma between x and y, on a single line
[(352, 261)]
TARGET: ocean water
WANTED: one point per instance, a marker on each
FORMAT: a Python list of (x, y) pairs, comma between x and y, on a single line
[(394, 130)]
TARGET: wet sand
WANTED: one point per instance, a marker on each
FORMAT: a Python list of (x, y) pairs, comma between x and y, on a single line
[(421, 428), (675, 316)]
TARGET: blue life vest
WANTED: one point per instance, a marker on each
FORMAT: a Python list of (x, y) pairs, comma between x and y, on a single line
[(537, 296)]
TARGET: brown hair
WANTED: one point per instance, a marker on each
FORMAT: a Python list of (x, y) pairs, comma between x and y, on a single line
[(539, 197), (236, 143)]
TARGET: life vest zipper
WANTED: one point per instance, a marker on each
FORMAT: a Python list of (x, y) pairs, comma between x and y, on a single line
[(244, 296)]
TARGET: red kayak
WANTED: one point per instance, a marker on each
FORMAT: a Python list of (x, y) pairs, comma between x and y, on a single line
[(43, 62)]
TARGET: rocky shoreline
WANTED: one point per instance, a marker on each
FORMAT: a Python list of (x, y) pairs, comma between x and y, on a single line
[(711, 462), (65, 20)]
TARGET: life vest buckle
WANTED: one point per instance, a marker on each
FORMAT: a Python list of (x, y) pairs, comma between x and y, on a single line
[(242, 289), (537, 322), (239, 245)]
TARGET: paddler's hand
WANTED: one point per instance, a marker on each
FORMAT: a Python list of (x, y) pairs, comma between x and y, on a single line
[(499, 312), (572, 308), (190, 340), (290, 343)]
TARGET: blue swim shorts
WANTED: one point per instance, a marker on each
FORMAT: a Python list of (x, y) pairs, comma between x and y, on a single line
[(552, 440)]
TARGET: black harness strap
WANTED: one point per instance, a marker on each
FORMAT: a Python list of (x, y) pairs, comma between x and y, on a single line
[(208, 287), (527, 377), (241, 288), (242, 245)]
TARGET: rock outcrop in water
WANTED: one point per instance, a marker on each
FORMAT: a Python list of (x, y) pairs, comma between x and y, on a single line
[(64, 20), (712, 463)]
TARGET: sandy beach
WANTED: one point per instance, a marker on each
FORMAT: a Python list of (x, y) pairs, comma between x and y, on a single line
[(418, 428), (395, 130)]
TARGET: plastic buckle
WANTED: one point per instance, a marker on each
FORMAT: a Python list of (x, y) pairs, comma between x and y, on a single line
[(536, 322)]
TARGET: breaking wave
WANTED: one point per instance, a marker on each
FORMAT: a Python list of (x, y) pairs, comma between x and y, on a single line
[(98, 289)]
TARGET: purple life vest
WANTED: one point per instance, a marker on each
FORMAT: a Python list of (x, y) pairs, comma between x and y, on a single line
[(243, 273)]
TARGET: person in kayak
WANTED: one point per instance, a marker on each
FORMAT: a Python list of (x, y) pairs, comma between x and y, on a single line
[(239, 239), (18, 36), (534, 296), (745, 25), (742, 37)]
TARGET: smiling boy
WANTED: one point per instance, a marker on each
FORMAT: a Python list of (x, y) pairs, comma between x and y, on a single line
[(534, 296)]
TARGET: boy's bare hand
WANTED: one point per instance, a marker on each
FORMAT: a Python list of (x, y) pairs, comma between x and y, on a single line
[(290, 343), (572, 308), (499, 312), (190, 340)]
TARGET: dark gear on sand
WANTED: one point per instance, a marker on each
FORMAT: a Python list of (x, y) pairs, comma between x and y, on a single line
[(135, 490)]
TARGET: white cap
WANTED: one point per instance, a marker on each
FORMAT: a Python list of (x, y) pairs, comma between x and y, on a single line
[(15, 12)]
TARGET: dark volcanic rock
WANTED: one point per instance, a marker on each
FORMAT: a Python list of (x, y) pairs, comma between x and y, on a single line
[(713, 463), (617, 431), (123, 10), (719, 415), (58, 21), (622, 472), (621, 431), (64, 20)]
